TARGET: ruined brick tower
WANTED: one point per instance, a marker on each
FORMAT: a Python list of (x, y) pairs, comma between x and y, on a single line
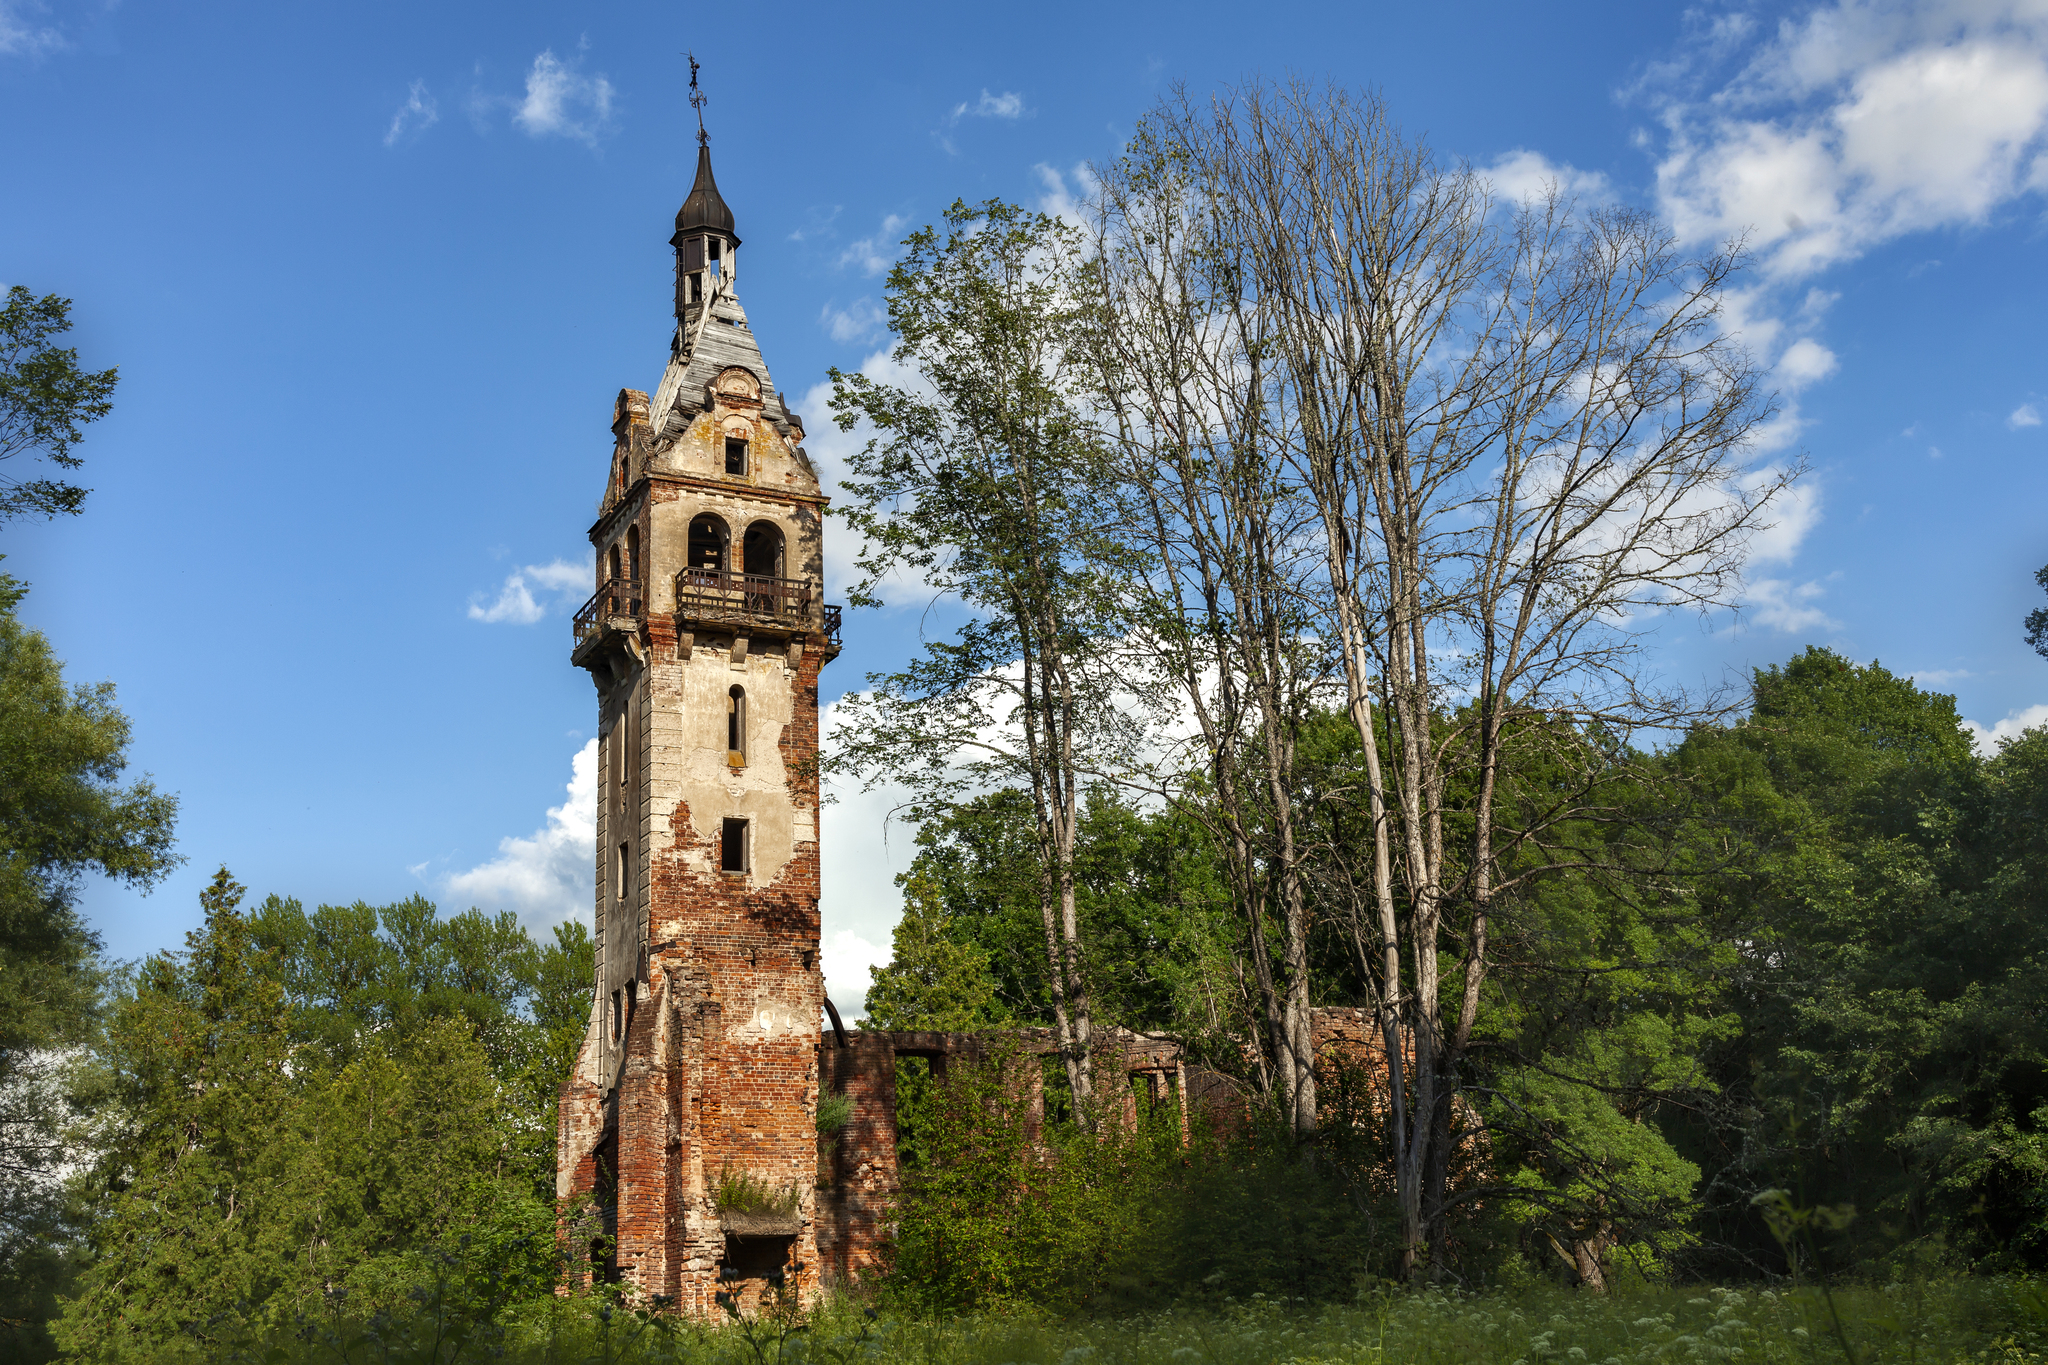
[(705, 637)]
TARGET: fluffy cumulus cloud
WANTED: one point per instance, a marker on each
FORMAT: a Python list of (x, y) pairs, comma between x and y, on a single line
[(561, 101), (415, 116), (2025, 415), (1786, 607), (1988, 738), (1860, 122), (545, 877), (531, 591)]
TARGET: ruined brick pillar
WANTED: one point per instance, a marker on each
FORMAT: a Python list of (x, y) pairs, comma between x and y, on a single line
[(704, 639)]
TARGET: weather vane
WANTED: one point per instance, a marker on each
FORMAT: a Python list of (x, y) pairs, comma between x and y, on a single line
[(697, 100)]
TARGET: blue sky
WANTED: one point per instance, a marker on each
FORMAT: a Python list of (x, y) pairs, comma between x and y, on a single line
[(372, 274)]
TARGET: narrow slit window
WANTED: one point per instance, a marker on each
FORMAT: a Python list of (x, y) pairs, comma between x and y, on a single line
[(625, 877), (736, 727), (735, 455), (732, 850)]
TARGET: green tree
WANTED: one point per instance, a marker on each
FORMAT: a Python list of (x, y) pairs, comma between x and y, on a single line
[(932, 980), (201, 1063), (986, 481), (64, 814), (1882, 882), (247, 1172), (361, 978), (46, 400)]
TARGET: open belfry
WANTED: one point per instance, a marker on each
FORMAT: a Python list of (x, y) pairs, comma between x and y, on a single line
[(700, 1069)]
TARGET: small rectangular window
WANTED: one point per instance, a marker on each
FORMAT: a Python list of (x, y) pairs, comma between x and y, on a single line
[(732, 849), (735, 456)]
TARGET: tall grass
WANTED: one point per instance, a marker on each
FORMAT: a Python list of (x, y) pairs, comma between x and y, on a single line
[(1985, 1321)]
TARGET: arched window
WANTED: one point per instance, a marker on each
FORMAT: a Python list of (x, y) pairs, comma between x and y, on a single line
[(632, 554), (707, 543), (612, 562), (761, 549), (736, 726)]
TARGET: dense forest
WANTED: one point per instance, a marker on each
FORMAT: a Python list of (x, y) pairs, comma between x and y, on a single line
[(1306, 520)]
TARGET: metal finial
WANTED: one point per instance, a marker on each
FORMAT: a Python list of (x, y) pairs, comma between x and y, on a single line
[(697, 100)]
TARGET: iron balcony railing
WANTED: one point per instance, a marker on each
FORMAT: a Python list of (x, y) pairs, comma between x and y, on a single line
[(720, 595), (716, 595), (618, 597)]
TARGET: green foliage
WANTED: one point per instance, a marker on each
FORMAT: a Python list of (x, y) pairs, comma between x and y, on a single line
[(970, 949), (834, 1112), (1127, 1206), (45, 401), (1882, 884), (64, 814), (744, 1192), (2037, 619), (363, 976), (247, 1172)]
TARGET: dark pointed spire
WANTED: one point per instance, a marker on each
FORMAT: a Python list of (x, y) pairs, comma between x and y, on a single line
[(705, 208)]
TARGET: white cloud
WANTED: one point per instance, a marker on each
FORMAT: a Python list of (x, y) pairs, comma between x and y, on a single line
[(563, 102), (858, 321), (2025, 415), (1862, 122), (1795, 513), (415, 116), (1058, 199), (1805, 362), (863, 848), (1008, 105), (1987, 740), (548, 876), (1787, 607), (22, 37), (1523, 175), (559, 583), (867, 254), (1935, 677)]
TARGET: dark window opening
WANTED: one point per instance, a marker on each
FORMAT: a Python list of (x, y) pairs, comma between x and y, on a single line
[(761, 549), (735, 455), (732, 850), (736, 725), (633, 554), (613, 559), (616, 1017), (707, 543), (625, 877)]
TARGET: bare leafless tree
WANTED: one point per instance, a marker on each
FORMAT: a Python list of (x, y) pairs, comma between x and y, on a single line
[(1518, 437)]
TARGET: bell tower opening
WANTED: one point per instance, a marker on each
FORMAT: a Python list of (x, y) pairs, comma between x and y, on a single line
[(707, 544)]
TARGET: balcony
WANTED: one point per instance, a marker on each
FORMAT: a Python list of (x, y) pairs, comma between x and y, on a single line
[(720, 597), (716, 597), (618, 597)]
